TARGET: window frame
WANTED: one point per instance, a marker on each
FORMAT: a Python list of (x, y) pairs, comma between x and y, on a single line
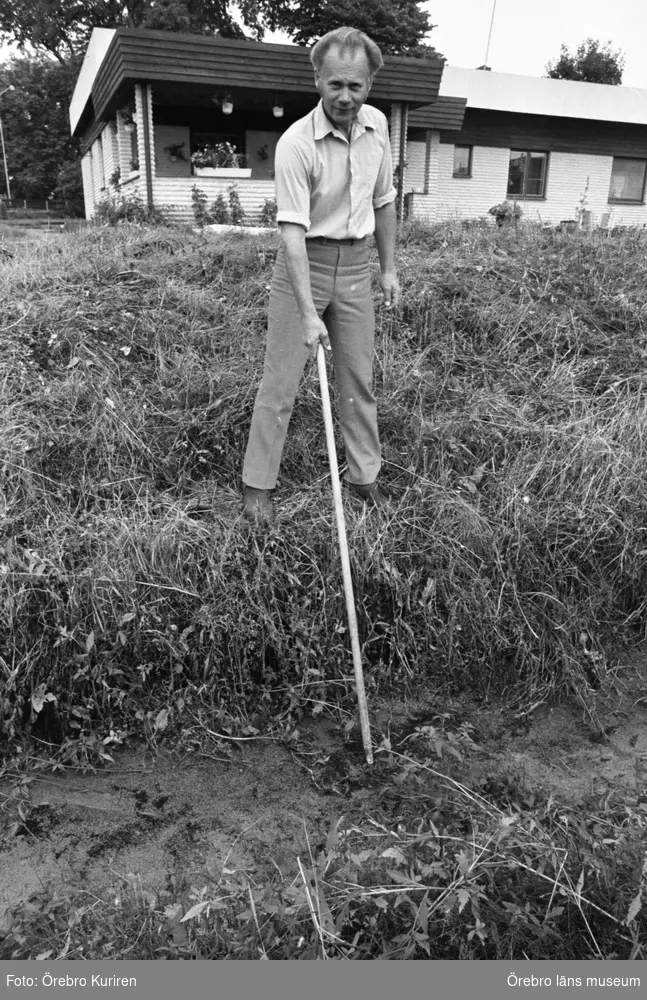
[(629, 201), (468, 175), (527, 153)]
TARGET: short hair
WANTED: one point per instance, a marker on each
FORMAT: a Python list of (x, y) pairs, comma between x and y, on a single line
[(347, 40)]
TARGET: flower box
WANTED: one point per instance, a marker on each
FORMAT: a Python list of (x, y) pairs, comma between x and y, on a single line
[(222, 171)]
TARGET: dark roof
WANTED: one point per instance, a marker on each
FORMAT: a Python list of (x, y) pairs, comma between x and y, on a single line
[(447, 113), (201, 62)]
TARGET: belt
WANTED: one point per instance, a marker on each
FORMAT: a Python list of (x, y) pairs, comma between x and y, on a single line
[(329, 241)]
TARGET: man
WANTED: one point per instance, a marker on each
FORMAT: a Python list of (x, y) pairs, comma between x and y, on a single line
[(334, 187)]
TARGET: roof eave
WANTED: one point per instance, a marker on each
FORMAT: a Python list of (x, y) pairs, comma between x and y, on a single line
[(136, 55)]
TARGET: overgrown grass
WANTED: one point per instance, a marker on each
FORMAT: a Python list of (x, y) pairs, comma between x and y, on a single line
[(512, 407), (512, 412)]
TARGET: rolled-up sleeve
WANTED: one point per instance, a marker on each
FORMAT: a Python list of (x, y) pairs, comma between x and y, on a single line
[(384, 191), (292, 182)]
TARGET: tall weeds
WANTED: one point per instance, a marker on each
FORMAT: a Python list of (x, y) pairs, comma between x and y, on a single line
[(513, 419)]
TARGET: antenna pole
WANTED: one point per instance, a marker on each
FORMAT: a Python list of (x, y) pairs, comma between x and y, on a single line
[(487, 50)]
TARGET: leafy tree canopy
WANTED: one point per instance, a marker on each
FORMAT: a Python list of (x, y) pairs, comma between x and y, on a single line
[(398, 26), (62, 28), (592, 63), (37, 127)]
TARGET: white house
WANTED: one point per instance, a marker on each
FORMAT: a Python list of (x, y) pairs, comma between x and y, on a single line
[(145, 101), (463, 140), (560, 148)]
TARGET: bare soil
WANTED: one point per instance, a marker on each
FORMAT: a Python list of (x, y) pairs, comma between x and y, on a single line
[(165, 820)]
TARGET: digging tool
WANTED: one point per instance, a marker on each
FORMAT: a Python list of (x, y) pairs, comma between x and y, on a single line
[(345, 560)]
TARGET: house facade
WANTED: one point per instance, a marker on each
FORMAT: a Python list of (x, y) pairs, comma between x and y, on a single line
[(563, 150), (145, 101), (462, 140)]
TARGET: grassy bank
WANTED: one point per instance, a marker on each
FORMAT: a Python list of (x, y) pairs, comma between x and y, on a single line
[(512, 558), (512, 410)]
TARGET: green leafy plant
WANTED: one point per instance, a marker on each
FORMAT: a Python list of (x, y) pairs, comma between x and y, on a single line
[(127, 113), (113, 209), (219, 211), (506, 213), (268, 213), (176, 150), (221, 154), (199, 205), (237, 213), (580, 211)]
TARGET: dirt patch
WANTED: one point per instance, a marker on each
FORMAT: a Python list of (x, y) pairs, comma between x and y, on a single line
[(166, 821), (162, 820), (562, 749)]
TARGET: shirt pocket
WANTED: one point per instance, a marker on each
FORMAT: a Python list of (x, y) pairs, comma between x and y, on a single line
[(370, 161)]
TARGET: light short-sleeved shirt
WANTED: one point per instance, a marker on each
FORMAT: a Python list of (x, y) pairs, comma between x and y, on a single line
[(329, 185)]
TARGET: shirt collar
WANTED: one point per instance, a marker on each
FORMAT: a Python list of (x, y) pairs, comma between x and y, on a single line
[(323, 125)]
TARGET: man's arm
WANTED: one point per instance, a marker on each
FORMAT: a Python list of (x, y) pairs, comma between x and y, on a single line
[(385, 232), (296, 260)]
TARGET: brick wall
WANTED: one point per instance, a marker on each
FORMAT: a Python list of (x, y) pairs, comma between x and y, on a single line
[(96, 163), (462, 198), (568, 174), (174, 194), (110, 151), (416, 159), (88, 186), (470, 198), (125, 148)]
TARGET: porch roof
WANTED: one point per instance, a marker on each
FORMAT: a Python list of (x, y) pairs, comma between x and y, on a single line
[(189, 68), (447, 114)]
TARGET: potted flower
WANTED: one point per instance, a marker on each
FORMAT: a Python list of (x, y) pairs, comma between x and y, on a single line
[(175, 151), (128, 117), (506, 212), (220, 160)]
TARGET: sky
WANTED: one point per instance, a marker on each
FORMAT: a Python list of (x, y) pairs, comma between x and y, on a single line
[(526, 36)]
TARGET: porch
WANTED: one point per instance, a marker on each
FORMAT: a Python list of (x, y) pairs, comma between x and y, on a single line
[(146, 101)]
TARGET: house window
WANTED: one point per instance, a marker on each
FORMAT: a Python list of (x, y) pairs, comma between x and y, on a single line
[(527, 176), (628, 180), (462, 161)]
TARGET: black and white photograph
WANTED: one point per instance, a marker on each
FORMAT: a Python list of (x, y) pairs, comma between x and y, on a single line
[(323, 496)]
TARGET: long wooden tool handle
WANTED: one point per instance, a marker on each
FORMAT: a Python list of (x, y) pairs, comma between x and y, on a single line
[(345, 560)]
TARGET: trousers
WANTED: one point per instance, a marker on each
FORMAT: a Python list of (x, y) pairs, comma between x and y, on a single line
[(341, 290)]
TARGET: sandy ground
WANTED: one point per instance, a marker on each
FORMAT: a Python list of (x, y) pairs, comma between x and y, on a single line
[(165, 820)]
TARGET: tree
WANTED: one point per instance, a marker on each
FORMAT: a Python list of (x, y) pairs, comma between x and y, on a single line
[(37, 129), (62, 28), (592, 63), (398, 26)]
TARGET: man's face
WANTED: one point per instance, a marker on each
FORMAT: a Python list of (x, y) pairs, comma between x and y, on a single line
[(343, 82)]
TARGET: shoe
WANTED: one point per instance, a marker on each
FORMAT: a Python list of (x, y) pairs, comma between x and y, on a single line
[(257, 505), (370, 493)]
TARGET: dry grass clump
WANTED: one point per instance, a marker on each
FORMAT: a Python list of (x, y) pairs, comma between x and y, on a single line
[(513, 416)]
